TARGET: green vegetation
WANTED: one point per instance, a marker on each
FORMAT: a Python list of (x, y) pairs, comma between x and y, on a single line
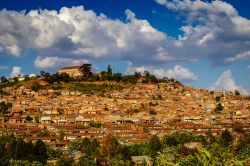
[(153, 103), (37, 119), (4, 107), (95, 124), (88, 75), (28, 118), (217, 98), (36, 87), (45, 133), (12, 148), (152, 112), (86, 70), (226, 138), (236, 92), (171, 149), (157, 97), (3, 79), (61, 135), (2, 92), (92, 88), (218, 108), (132, 111)]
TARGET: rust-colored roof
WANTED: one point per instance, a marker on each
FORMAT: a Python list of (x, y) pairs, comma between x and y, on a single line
[(70, 67)]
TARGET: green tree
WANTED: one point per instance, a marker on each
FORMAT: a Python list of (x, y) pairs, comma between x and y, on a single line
[(65, 160), (170, 140), (36, 87), (37, 119), (219, 108), (124, 151), (61, 135), (3, 79), (137, 74), (4, 107), (15, 79), (75, 145), (54, 153), (86, 145), (94, 146), (24, 163), (42, 73), (29, 149), (155, 145), (109, 71), (226, 138), (28, 118), (110, 144), (19, 149), (86, 70), (236, 92), (64, 77), (217, 98), (118, 160), (40, 149), (88, 160)]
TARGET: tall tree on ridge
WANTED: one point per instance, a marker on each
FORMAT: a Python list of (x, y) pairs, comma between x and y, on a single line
[(86, 70)]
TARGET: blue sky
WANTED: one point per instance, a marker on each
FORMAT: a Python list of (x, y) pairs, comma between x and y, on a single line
[(203, 44)]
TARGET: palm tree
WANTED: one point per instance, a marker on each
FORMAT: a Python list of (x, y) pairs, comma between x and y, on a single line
[(162, 159)]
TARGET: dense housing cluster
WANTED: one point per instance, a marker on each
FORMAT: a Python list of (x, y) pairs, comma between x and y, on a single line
[(64, 111)]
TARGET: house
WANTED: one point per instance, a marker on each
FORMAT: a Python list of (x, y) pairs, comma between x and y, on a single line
[(46, 119), (240, 117), (81, 120), (16, 120), (32, 75), (57, 144), (21, 78), (76, 154), (74, 71)]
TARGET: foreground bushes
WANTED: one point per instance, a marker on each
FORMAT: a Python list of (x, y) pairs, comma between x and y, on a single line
[(171, 149)]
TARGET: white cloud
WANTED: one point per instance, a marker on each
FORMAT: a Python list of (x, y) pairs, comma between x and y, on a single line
[(13, 49), (4, 67), (226, 83), (238, 57), (49, 62), (130, 15), (181, 73), (77, 33), (55, 62), (178, 72), (16, 71), (248, 67), (214, 29)]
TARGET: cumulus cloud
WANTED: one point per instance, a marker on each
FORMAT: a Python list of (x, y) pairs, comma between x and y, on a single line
[(226, 83), (77, 33), (52, 62), (181, 73), (238, 57), (4, 67), (178, 72), (16, 71), (205, 33)]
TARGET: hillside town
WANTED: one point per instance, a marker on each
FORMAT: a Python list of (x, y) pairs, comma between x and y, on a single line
[(132, 113)]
